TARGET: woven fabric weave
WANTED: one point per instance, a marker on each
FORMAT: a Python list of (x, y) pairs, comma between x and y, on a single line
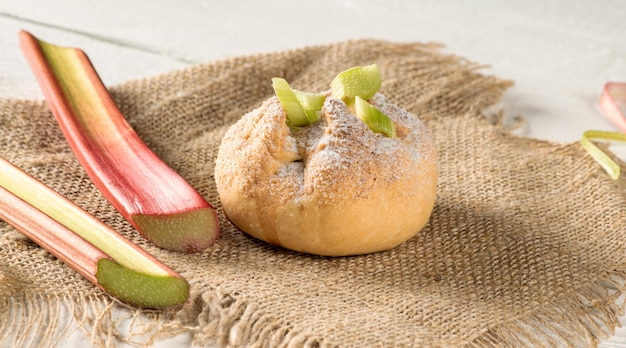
[(526, 244)]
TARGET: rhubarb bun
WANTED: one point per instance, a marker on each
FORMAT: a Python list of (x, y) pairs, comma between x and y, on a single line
[(333, 188)]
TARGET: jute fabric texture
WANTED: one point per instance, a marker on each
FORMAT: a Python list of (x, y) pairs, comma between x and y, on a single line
[(525, 247)]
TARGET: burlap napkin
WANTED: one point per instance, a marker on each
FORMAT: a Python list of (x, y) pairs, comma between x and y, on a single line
[(526, 245)]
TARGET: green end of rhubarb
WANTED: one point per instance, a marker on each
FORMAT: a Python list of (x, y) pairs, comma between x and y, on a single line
[(374, 118), (140, 289), (197, 229), (302, 108), (361, 81)]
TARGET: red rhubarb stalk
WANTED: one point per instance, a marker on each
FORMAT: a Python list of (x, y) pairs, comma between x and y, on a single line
[(155, 199), (85, 244)]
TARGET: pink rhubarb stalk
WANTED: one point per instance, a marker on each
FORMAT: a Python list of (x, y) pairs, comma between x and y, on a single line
[(157, 201), (84, 243)]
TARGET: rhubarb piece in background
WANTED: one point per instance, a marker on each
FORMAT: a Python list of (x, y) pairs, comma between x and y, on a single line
[(156, 200)]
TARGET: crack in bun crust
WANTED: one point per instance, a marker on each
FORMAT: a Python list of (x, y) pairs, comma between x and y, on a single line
[(334, 188)]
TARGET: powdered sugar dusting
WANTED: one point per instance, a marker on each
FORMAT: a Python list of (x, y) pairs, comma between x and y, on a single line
[(337, 156)]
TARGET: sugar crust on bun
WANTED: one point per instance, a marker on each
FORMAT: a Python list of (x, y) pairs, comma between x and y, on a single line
[(334, 188)]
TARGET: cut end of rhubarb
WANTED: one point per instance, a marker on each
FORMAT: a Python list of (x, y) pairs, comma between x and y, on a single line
[(141, 289), (188, 232)]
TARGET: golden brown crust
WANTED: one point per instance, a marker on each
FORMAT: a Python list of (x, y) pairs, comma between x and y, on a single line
[(334, 188)]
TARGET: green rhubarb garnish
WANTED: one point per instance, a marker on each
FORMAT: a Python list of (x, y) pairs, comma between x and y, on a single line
[(311, 103), (302, 108), (361, 81), (375, 119), (354, 86)]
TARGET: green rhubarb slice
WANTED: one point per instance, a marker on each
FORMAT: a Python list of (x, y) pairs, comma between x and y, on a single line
[(311, 103), (361, 81), (598, 155), (302, 108), (375, 119)]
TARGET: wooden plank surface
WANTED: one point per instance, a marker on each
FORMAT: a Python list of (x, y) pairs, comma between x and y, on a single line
[(559, 53)]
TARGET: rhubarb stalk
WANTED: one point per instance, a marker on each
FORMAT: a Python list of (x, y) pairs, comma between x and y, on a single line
[(84, 243), (157, 201), (612, 168)]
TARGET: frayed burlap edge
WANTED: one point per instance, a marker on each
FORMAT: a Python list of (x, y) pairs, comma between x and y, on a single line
[(224, 321), (220, 318), (597, 309), (212, 319)]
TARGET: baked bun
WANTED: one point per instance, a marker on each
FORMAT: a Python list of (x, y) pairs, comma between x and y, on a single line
[(333, 188)]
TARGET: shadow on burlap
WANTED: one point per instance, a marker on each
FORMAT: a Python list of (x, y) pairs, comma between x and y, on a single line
[(525, 245)]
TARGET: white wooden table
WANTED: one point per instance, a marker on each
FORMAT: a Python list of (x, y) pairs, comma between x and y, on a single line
[(559, 53)]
